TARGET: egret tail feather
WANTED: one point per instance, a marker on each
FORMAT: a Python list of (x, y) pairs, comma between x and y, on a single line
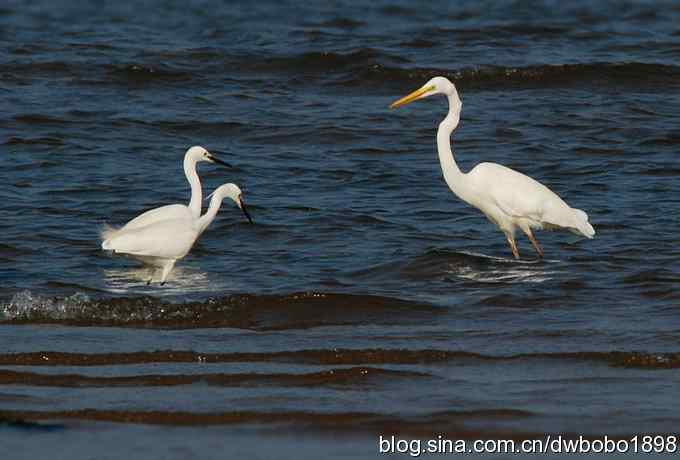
[(584, 226), (107, 233)]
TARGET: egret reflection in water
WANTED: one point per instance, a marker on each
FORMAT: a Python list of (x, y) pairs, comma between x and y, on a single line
[(184, 279), (489, 269)]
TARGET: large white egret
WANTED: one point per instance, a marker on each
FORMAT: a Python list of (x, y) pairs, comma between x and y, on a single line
[(163, 242), (176, 211), (506, 197)]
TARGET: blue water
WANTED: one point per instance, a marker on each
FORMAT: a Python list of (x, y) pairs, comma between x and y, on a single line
[(392, 298)]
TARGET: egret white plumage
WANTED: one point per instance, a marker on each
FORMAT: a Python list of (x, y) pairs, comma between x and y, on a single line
[(507, 198), (163, 242), (175, 211)]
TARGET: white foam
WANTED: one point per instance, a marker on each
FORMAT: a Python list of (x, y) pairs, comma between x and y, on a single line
[(25, 304)]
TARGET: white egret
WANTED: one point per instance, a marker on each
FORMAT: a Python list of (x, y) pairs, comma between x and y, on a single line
[(164, 242), (175, 211), (507, 198)]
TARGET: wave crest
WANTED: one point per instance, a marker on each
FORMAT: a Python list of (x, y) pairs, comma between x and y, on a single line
[(299, 310)]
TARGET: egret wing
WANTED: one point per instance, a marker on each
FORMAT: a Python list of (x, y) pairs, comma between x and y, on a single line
[(171, 211), (522, 197), (168, 239), (516, 194)]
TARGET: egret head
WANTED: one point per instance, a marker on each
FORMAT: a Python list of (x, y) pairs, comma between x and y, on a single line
[(198, 153), (234, 192), (436, 85)]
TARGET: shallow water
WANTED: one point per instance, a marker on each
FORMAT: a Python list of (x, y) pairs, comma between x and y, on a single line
[(366, 299)]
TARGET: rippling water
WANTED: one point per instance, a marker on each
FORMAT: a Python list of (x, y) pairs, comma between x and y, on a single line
[(366, 299)]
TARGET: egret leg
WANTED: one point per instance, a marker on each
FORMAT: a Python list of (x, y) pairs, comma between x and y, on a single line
[(167, 268), (534, 243), (513, 245)]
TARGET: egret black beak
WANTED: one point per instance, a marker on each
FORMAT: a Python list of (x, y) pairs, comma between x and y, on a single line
[(242, 205), (218, 161)]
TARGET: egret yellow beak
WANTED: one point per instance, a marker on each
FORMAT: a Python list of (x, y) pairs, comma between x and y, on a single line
[(417, 94)]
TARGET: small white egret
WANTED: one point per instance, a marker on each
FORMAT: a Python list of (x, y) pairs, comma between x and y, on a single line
[(175, 211), (507, 198), (164, 242)]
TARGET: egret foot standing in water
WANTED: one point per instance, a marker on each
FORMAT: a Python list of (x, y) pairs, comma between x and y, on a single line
[(507, 198), (162, 243)]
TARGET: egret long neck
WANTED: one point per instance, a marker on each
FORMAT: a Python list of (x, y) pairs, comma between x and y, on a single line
[(206, 219), (453, 176), (195, 183)]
